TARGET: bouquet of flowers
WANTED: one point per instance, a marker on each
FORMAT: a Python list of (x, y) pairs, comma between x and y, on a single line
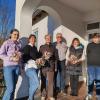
[(15, 57), (73, 59), (39, 62)]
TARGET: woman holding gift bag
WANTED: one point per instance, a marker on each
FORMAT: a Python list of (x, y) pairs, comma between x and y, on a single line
[(74, 57), (30, 55), (10, 54)]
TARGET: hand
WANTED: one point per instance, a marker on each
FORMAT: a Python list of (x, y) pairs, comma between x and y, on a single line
[(40, 61), (73, 61), (15, 56), (47, 55), (37, 61)]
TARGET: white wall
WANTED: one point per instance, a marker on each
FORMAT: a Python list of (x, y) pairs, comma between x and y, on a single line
[(69, 17), (68, 35), (42, 27), (19, 5), (60, 13), (91, 17), (24, 11)]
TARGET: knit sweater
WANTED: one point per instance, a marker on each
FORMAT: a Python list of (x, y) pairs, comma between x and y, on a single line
[(29, 52), (6, 51)]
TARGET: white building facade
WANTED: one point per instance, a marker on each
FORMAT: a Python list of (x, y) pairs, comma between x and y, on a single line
[(70, 17)]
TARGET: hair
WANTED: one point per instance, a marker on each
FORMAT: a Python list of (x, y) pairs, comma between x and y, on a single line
[(75, 39), (14, 30), (47, 35), (58, 34), (31, 35), (95, 35)]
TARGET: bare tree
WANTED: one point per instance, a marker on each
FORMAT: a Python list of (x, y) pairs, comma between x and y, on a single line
[(6, 20)]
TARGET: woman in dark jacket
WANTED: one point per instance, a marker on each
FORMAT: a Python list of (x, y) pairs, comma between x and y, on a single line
[(30, 53), (74, 58)]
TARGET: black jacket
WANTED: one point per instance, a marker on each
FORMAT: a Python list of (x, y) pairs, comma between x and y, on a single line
[(29, 52), (93, 54), (75, 69), (76, 52), (51, 63)]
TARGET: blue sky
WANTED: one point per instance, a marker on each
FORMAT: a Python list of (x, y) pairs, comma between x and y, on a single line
[(9, 7)]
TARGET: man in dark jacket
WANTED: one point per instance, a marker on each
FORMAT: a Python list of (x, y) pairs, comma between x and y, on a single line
[(93, 62), (47, 71)]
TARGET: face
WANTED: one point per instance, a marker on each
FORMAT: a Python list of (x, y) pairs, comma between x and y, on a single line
[(76, 43), (96, 39), (59, 38), (48, 39), (15, 36), (32, 40)]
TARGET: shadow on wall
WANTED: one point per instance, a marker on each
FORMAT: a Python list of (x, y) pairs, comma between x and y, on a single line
[(24, 41), (22, 87), (22, 84), (68, 35)]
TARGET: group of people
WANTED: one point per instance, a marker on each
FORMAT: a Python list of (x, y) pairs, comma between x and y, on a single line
[(58, 63)]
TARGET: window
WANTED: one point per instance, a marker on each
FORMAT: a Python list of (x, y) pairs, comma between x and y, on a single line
[(93, 26)]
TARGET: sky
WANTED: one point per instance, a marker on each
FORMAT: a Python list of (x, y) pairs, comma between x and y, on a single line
[(7, 16)]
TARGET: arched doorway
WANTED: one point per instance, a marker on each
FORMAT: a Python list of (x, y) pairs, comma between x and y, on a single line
[(27, 12), (44, 21)]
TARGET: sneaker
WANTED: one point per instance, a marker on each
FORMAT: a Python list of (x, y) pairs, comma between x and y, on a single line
[(63, 93), (89, 97), (43, 98), (51, 98)]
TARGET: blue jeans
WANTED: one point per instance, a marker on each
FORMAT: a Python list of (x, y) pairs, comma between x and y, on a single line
[(60, 75), (94, 76), (33, 82), (11, 77)]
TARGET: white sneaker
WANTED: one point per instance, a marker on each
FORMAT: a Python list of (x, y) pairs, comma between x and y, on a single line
[(89, 97), (43, 98), (51, 98)]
